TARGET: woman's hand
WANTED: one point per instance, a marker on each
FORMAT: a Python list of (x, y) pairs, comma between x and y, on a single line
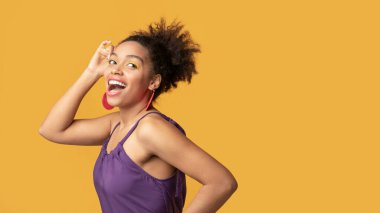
[(98, 62)]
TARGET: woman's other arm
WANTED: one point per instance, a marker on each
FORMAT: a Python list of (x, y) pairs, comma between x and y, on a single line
[(168, 143)]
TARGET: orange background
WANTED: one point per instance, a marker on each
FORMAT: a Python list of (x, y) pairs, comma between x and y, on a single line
[(287, 98)]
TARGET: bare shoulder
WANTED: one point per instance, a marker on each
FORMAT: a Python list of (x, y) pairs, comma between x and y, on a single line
[(155, 125), (155, 133)]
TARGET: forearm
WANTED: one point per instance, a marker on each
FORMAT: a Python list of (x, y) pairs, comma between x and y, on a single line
[(62, 114), (209, 199)]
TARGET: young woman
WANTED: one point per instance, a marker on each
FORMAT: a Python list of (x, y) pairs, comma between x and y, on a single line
[(145, 154)]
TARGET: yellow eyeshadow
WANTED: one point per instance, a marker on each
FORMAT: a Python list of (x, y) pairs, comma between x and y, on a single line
[(127, 63), (131, 62)]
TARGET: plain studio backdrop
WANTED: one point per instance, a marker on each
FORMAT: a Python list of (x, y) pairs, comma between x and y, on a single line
[(287, 98)]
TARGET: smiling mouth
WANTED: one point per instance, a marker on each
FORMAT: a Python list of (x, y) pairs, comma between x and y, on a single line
[(115, 85)]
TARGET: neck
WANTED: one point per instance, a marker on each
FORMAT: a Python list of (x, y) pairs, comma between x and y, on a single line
[(131, 113)]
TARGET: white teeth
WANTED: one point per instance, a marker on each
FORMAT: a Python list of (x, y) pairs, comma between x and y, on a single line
[(113, 82)]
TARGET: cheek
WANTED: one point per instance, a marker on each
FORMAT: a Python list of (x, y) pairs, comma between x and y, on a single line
[(138, 78), (135, 82)]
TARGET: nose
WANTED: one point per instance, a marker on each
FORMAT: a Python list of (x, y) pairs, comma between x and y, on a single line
[(115, 71)]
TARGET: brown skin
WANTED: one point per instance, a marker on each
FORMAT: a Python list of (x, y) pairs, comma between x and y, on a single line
[(138, 77), (132, 102), (155, 145)]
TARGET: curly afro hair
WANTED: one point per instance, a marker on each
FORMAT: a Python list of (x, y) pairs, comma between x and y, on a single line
[(171, 52)]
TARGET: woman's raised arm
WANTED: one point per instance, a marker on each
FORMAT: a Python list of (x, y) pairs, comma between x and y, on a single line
[(59, 125)]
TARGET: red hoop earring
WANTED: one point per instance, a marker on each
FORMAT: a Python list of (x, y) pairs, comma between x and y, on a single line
[(105, 103), (150, 100)]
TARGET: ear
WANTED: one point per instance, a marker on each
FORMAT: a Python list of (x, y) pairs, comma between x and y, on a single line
[(155, 82)]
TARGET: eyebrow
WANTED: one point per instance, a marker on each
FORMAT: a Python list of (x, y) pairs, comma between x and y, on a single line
[(130, 56)]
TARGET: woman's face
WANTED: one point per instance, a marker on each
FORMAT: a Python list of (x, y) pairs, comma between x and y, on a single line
[(128, 74)]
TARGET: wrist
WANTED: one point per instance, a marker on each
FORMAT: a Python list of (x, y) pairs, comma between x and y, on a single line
[(91, 75)]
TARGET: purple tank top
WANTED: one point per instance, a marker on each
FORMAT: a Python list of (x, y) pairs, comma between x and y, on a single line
[(124, 187)]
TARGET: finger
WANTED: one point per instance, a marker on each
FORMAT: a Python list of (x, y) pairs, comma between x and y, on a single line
[(103, 44), (110, 50), (104, 52)]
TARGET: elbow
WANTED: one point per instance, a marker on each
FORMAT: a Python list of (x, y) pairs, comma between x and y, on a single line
[(227, 186), (41, 131), (226, 183), (45, 134), (231, 185)]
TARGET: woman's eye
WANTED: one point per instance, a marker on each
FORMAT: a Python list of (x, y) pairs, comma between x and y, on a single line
[(131, 65)]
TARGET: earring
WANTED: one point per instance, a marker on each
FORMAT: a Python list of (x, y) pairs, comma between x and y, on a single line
[(105, 103), (150, 100)]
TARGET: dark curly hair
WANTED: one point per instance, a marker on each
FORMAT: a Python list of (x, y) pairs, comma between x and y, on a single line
[(171, 52)]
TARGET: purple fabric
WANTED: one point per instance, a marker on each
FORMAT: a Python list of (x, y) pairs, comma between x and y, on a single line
[(123, 186)]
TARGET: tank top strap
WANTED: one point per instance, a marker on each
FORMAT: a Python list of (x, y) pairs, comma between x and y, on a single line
[(114, 128), (173, 122), (135, 125)]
